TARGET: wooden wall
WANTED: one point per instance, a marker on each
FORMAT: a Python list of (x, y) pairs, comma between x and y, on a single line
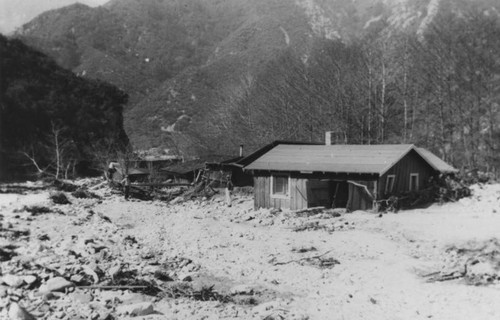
[(411, 163), (302, 188), (296, 200)]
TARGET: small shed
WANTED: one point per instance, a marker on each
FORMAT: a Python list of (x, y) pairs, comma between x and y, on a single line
[(213, 168), (135, 174), (220, 170), (299, 176)]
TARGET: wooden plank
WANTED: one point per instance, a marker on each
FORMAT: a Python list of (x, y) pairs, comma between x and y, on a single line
[(162, 184), (267, 193), (303, 189), (256, 192), (301, 194), (294, 196)]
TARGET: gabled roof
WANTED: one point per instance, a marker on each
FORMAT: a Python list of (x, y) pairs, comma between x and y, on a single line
[(435, 162), (256, 154), (371, 159)]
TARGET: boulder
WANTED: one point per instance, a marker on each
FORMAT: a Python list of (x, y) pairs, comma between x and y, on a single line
[(29, 279), (56, 284), (12, 280), (115, 270), (81, 297), (137, 309), (16, 312), (186, 277), (3, 291)]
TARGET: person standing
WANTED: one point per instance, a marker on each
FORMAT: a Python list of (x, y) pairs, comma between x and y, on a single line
[(111, 171), (126, 186), (229, 189)]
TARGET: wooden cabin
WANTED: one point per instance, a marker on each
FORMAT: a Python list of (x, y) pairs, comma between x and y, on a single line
[(299, 176)]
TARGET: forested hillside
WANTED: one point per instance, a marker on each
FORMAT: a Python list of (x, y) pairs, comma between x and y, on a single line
[(51, 121), (206, 76)]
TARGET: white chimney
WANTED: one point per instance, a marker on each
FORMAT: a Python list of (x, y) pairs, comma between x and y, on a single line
[(241, 150), (328, 138)]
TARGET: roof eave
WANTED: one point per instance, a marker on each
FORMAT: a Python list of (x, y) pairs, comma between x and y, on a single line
[(384, 171)]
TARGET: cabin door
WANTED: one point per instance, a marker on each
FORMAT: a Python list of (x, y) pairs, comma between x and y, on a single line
[(340, 194), (319, 193)]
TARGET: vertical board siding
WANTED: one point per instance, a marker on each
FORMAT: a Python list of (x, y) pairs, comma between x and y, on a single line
[(411, 163), (263, 199), (267, 192)]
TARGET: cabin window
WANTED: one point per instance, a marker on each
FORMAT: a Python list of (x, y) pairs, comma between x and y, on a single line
[(389, 183), (280, 186), (413, 181)]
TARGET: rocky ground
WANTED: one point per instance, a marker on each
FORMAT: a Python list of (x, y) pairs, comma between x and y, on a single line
[(101, 257)]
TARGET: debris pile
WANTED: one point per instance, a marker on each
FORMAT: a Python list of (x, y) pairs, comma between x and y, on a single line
[(476, 262), (329, 220), (81, 274)]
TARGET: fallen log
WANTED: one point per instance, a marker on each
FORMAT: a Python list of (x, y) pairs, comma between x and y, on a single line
[(112, 287), (162, 184), (302, 259)]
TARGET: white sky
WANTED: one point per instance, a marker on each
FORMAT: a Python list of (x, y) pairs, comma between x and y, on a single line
[(14, 13)]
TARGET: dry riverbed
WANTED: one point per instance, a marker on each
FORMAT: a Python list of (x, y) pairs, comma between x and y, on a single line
[(107, 258)]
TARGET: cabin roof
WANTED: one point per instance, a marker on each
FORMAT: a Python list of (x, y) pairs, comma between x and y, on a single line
[(435, 161), (371, 159), (192, 165)]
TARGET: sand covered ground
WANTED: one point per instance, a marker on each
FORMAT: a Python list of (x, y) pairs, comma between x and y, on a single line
[(107, 258)]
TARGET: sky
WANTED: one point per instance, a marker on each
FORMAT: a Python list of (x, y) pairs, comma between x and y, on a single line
[(15, 13)]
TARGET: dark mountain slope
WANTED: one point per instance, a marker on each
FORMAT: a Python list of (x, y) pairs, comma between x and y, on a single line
[(43, 105)]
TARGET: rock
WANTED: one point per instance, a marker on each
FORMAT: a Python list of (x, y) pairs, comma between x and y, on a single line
[(16, 312), (29, 279), (49, 296), (81, 297), (241, 289), (89, 271), (3, 291), (177, 200), (163, 275), (12, 280), (76, 278), (56, 284), (138, 309), (150, 269), (107, 295), (43, 237), (481, 268), (4, 303), (134, 297), (187, 278), (115, 270)]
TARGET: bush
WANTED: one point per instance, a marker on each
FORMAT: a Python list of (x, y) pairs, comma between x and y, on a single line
[(59, 198), (445, 188), (84, 194)]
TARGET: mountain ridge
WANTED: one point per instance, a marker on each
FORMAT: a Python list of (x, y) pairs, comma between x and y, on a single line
[(195, 69)]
